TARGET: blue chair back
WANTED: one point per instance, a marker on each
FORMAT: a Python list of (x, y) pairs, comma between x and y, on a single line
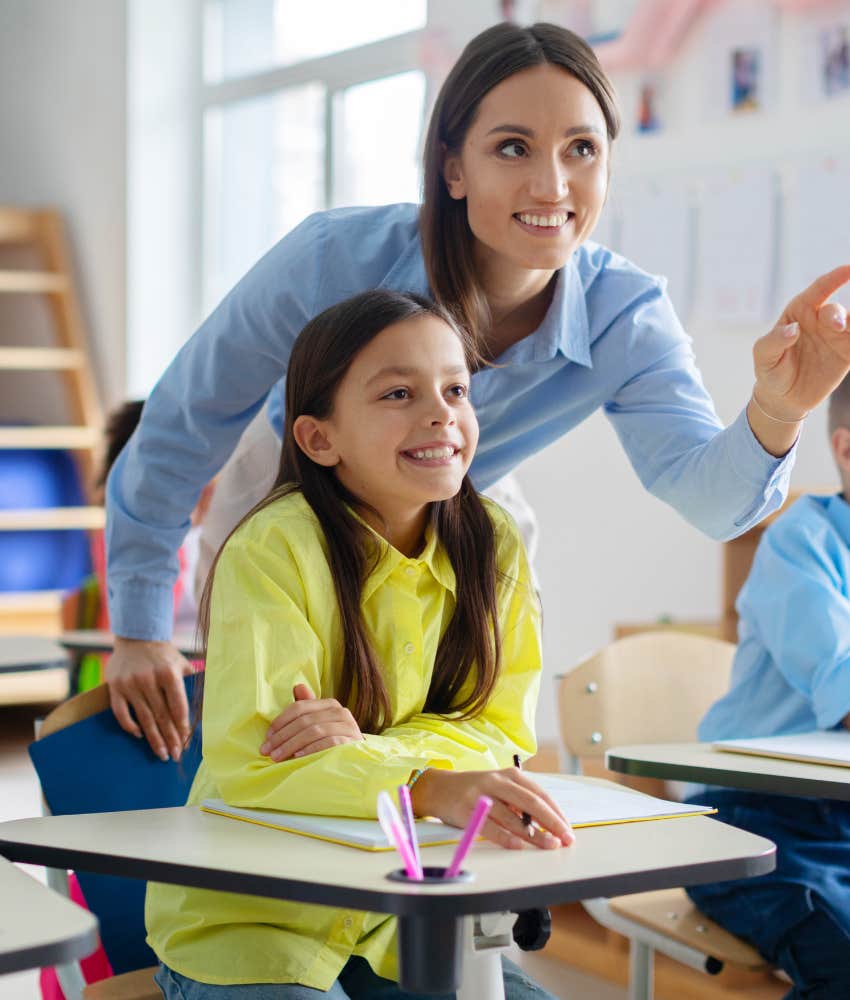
[(94, 766)]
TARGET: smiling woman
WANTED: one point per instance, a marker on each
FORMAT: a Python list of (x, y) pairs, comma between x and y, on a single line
[(517, 161)]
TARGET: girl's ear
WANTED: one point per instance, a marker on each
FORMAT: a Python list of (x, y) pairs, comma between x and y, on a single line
[(453, 176), (311, 437)]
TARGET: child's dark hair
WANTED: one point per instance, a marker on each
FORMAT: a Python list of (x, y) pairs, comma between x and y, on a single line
[(839, 405), (119, 429), (320, 358)]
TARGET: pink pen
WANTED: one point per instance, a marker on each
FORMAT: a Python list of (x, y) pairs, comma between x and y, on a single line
[(409, 824), (390, 822), (479, 814)]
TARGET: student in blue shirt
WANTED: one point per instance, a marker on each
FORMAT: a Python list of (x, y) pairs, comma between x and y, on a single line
[(792, 675), (516, 171)]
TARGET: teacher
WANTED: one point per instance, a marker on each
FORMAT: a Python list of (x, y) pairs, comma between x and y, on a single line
[(517, 164)]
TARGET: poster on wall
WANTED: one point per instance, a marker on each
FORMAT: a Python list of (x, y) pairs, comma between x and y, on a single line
[(736, 248), (656, 233), (740, 60), (818, 222), (825, 54)]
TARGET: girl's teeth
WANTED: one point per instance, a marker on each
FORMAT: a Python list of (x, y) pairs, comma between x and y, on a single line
[(434, 453), (547, 221)]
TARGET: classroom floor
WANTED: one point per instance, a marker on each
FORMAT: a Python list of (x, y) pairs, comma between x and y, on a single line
[(19, 798)]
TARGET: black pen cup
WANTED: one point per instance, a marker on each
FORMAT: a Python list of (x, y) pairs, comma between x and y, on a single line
[(431, 875)]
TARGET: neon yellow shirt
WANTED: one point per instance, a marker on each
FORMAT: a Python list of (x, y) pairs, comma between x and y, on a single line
[(275, 623)]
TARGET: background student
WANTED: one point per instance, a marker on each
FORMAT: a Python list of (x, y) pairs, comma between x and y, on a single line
[(792, 675), (375, 594), (517, 163)]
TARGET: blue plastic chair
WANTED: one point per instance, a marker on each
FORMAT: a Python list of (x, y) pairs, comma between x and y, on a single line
[(86, 763)]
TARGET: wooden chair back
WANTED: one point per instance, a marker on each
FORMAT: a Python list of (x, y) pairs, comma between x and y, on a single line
[(647, 688)]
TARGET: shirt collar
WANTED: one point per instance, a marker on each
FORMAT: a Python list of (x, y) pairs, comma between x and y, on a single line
[(565, 326), (433, 557), (839, 514)]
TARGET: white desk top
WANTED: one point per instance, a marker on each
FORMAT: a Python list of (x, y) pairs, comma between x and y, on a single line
[(700, 762), (38, 926), (185, 846), (30, 652), (99, 641)]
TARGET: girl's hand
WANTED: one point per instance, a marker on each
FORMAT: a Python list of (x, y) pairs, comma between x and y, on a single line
[(807, 353), (308, 725), (451, 796)]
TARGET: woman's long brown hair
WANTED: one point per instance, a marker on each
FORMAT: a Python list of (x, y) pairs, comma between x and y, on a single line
[(491, 57), (320, 358)]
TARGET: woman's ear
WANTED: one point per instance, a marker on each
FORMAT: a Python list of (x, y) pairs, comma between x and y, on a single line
[(312, 438), (453, 176)]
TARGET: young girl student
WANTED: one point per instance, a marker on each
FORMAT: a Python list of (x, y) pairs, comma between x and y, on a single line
[(375, 594)]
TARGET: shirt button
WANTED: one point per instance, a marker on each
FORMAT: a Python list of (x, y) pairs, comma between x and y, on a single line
[(346, 923), (409, 647), (410, 570)]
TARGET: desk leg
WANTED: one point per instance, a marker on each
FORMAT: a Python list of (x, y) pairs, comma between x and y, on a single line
[(463, 955), (429, 954)]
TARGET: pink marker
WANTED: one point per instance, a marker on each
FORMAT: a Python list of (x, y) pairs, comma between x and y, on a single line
[(390, 822), (410, 823), (479, 814)]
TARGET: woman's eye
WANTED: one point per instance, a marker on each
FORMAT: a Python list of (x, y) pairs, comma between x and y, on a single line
[(584, 149), (513, 150), (398, 394)]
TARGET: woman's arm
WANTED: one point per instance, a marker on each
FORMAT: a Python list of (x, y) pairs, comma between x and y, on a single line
[(190, 424)]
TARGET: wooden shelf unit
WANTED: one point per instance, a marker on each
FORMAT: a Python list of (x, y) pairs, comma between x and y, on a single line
[(37, 267)]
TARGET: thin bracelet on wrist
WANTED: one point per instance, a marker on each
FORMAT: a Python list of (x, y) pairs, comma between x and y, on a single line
[(770, 416)]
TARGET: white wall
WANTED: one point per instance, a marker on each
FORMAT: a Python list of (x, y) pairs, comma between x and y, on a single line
[(62, 135), (610, 552)]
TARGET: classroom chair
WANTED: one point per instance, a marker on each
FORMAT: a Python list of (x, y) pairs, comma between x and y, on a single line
[(653, 687), (86, 763)]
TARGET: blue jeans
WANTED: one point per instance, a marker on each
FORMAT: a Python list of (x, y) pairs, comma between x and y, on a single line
[(797, 916), (357, 981)]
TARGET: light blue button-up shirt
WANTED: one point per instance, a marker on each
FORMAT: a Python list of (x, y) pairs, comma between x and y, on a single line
[(792, 668), (610, 338)]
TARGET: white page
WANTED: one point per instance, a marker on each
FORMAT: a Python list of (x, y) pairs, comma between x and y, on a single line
[(818, 211), (737, 255), (656, 233), (822, 747), (584, 804)]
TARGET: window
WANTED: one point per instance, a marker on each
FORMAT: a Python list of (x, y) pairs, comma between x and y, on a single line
[(306, 106)]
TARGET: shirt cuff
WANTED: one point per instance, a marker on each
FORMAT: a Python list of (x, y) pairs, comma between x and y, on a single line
[(758, 467), (141, 611)]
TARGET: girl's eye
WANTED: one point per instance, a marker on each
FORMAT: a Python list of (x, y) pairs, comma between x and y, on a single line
[(584, 149), (398, 394), (459, 391), (513, 149)]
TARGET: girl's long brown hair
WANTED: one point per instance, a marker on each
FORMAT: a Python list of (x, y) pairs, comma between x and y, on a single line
[(491, 57), (320, 358)]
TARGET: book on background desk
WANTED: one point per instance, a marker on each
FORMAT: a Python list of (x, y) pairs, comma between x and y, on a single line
[(584, 803), (831, 747)]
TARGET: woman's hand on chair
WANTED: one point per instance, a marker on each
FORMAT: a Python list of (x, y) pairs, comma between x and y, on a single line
[(308, 725), (452, 795), (147, 677)]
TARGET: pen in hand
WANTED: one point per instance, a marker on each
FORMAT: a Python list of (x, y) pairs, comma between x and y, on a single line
[(526, 817)]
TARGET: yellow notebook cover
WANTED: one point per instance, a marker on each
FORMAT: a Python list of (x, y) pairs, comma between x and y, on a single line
[(583, 803)]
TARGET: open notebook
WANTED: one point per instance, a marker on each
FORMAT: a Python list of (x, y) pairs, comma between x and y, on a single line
[(831, 747), (583, 803)]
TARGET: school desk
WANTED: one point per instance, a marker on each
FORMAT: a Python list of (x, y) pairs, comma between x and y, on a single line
[(186, 846), (92, 640), (38, 926), (700, 762), (30, 652)]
